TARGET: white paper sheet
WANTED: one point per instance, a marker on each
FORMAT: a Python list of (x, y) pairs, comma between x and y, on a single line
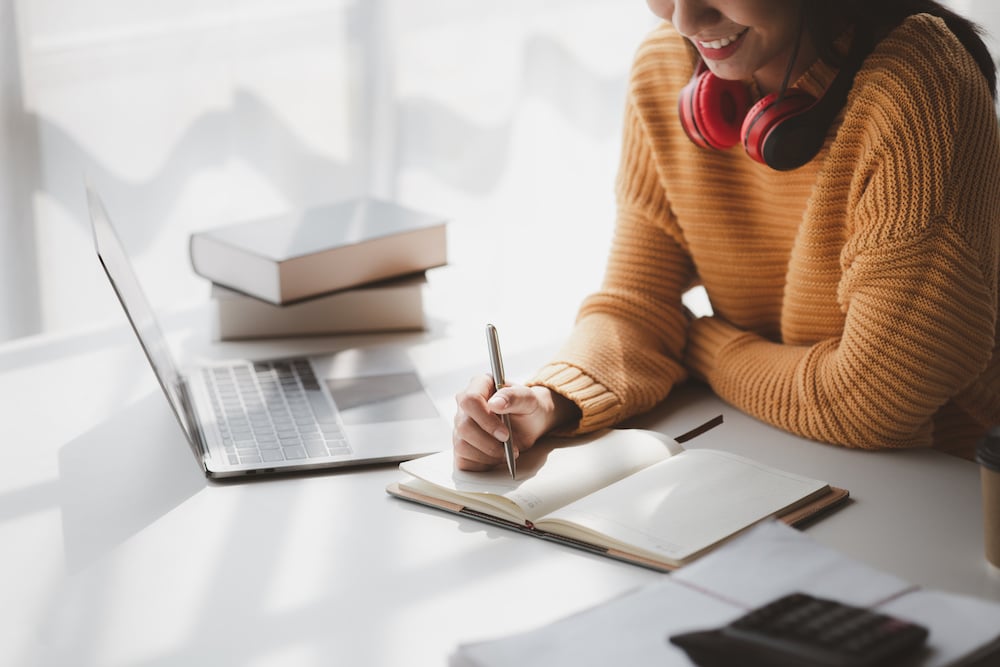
[(766, 562)]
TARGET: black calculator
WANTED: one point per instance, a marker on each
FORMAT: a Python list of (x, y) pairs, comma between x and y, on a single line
[(800, 630)]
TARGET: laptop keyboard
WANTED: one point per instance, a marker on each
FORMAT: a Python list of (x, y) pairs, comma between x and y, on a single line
[(274, 412)]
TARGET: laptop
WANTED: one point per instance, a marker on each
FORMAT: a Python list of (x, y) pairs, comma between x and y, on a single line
[(359, 406)]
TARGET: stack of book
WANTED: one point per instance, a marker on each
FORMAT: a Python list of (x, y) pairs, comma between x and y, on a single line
[(357, 266)]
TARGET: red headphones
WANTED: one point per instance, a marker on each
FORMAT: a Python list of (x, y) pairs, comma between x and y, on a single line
[(783, 130)]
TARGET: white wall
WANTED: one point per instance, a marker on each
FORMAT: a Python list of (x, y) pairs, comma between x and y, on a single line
[(19, 295), (196, 112), (987, 14)]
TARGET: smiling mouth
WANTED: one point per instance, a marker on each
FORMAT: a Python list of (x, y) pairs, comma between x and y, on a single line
[(723, 42)]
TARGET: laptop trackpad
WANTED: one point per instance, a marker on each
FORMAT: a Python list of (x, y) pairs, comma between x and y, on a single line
[(381, 398)]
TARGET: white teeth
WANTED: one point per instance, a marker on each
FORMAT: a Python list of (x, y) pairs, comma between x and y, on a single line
[(719, 43)]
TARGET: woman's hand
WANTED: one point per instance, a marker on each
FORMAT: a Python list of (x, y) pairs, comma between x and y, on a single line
[(479, 431)]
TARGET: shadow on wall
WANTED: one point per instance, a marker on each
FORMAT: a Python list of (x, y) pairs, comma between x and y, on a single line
[(430, 136), (426, 135)]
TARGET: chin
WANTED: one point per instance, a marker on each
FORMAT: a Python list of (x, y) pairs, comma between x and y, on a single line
[(730, 73)]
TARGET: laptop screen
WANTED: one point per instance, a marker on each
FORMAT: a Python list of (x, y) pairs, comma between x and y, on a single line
[(140, 314)]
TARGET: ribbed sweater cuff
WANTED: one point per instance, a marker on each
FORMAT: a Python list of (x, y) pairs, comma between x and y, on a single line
[(598, 406), (707, 337)]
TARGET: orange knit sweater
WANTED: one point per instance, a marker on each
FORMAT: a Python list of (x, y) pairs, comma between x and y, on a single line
[(855, 299)]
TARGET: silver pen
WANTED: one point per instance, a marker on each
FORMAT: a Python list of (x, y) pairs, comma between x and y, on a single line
[(496, 364)]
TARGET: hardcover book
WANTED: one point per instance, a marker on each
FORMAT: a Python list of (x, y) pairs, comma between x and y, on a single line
[(300, 255), (390, 305)]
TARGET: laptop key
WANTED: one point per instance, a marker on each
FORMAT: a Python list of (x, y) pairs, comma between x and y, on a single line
[(315, 450), (294, 452), (320, 405), (338, 447), (272, 455)]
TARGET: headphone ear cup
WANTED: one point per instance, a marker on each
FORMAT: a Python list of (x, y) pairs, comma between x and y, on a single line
[(772, 130), (712, 110)]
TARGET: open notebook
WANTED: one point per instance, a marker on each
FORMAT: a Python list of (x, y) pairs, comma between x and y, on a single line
[(630, 494)]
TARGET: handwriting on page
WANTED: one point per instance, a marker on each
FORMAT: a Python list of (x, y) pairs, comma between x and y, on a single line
[(526, 500)]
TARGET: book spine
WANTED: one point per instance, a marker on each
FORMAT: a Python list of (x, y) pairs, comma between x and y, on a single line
[(225, 265)]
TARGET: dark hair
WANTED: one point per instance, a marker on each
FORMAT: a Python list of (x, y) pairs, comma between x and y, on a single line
[(824, 19)]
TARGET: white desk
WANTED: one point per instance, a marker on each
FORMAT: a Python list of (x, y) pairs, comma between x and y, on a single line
[(145, 562)]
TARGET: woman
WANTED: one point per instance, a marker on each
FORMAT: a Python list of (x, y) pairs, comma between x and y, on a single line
[(854, 282)]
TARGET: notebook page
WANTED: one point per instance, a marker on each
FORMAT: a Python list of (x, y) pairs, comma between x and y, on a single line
[(679, 507), (554, 472)]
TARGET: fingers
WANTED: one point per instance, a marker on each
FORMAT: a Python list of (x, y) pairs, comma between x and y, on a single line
[(478, 435), (474, 414), (477, 448)]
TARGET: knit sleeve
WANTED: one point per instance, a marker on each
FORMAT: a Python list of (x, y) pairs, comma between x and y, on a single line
[(919, 265), (624, 353)]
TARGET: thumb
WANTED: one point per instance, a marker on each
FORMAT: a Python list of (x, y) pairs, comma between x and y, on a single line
[(512, 400)]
